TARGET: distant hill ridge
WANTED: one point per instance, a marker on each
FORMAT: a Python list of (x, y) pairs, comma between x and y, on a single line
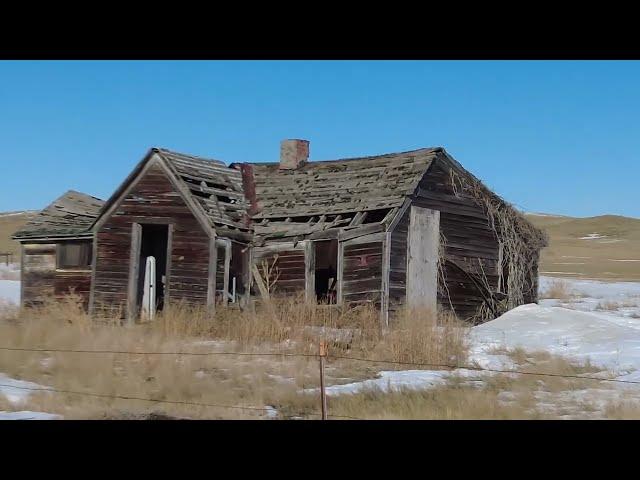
[(9, 223), (603, 246)]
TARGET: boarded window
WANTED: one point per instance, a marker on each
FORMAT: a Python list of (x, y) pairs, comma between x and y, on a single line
[(74, 254)]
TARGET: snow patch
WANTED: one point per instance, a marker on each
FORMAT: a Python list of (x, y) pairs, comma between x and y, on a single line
[(271, 412), (12, 214), (9, 292), (564, 273), (393, 381), (17, 391), (28, 415), (574, 334)]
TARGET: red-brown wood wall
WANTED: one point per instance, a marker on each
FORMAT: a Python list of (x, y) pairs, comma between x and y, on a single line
[(153, 199)]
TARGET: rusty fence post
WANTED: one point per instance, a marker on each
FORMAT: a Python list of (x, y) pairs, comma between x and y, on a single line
[(323, 394)]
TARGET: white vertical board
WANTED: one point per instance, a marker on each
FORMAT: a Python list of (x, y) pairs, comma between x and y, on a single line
[(149, 292), (422, 258)]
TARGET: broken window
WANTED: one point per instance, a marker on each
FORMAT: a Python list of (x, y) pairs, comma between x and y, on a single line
[(74, 254), (326, 271)]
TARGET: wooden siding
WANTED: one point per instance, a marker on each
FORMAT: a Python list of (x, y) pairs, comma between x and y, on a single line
[(422, 258), (398, 263), (362, 272), (469, 242), (290, 265), (77, 282), (153, 199), (42, 281), (38, 273), (219, 273)]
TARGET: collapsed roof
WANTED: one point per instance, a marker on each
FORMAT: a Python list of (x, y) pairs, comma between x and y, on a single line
[(323, 195)]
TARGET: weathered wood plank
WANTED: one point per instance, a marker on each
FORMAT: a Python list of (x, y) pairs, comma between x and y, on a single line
[(422, 258)]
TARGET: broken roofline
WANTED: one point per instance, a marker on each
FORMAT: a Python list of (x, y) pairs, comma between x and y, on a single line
[(173, 165), (170, 160), (205, 183)]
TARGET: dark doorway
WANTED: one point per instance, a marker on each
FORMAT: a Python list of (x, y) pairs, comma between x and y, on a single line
[(326, 259), (153, 244)]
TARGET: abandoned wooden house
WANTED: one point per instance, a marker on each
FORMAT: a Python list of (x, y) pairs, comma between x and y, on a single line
[(408, 229)]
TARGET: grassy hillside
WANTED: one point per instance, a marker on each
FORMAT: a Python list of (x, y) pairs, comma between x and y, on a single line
[(603, 247), (9, 223)]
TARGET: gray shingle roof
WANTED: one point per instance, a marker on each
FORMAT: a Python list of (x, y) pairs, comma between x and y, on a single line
[(68, 216), (339, 186)]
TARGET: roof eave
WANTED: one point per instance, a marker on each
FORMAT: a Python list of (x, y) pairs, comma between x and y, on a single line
[(53, 236)]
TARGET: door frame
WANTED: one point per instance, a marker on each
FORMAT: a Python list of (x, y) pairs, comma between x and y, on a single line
[(134, 262)]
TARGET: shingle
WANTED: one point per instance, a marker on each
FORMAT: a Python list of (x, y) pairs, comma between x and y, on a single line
[(339, 186), (69, 215)]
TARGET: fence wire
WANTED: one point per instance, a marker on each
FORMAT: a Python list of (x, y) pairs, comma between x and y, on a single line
[(330, 356), (292, 415)]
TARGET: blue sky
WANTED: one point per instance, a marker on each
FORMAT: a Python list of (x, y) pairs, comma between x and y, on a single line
[(549, 136)]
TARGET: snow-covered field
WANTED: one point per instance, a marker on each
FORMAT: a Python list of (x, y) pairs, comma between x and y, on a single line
[(600, 323)]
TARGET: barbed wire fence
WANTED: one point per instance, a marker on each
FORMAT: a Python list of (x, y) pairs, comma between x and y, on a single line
[(322, 356)]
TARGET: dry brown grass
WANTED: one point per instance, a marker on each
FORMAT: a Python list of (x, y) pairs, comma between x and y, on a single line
[(276, 381), (496, 396), (250, 381), (608, 305), (443, 403), (558, 289), (612, 306), (626, 409)]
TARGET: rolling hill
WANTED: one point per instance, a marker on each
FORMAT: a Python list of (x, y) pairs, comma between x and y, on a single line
[(605, 247), (9, 223)]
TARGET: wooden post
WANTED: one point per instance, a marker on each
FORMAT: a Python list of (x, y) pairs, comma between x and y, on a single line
[(134, 259), (310, 271), (264, 292), (386, 267), (92, 284), (323, 394), (227, 267), (211, 281), (422, 258), (339, 273)]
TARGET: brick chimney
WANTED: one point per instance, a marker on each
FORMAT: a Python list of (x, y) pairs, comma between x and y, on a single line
[(293, 154)]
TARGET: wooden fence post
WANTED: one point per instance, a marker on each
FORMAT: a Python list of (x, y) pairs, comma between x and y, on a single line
[(323, 394)]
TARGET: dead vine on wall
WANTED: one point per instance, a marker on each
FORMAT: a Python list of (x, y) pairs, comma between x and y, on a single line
[(519, 243)]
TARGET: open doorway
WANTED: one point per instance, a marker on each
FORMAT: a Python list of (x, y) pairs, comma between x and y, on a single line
[(153, 243), (326, 260)]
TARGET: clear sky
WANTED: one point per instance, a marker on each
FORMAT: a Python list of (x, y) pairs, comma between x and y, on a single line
[(557, 136)]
